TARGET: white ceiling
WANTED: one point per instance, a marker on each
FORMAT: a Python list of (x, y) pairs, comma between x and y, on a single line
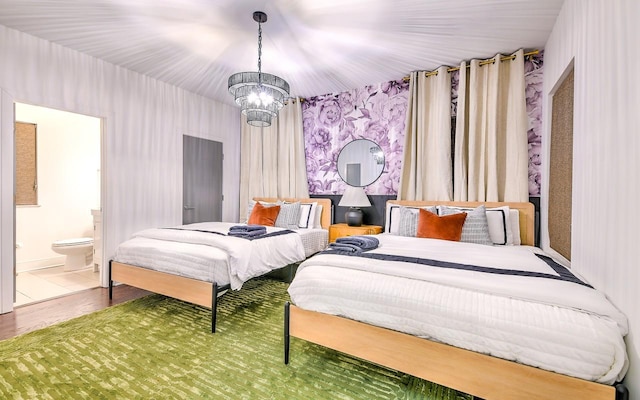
[(319, 47)]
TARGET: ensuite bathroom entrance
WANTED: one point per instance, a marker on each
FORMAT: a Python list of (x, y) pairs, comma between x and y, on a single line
[(57, 203)]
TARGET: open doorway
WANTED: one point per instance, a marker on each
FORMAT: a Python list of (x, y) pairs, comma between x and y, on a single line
[(57, 207)]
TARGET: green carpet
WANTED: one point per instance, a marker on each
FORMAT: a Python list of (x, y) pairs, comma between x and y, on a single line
[(161, 348)]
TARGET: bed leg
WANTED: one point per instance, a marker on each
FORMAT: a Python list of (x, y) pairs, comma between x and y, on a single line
[(214, 306), (622, 393), (287, 337), (110, 282), (289, 277)]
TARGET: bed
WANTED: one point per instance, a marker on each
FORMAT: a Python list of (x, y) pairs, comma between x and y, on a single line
[(494, 338), (197, 262)]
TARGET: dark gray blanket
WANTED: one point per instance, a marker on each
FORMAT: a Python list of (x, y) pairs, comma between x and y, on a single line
[(363, 242), (247, 228)]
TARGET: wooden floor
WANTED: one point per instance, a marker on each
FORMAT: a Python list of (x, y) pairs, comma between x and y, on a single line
[(39, 315)]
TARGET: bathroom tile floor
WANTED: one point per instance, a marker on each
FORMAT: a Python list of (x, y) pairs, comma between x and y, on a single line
[(46, 283)]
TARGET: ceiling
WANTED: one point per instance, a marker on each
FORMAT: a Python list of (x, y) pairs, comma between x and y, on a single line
[(319, 47)]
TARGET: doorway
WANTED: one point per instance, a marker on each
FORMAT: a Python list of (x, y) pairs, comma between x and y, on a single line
[(202, 180), (57, 166)]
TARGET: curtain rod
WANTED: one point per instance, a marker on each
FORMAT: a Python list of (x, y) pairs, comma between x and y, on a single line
[(483, 62), (430, 73), (293, 100)]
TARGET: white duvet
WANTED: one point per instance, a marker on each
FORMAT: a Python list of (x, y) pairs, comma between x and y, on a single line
[(551, 324), (245, 259)]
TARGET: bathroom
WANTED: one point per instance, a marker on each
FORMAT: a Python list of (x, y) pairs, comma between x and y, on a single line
[(60, 153)]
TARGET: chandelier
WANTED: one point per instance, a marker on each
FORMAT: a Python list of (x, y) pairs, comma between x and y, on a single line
[(260, 95)]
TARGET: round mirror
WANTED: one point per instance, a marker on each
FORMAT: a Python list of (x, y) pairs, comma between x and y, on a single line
[(360, 162)]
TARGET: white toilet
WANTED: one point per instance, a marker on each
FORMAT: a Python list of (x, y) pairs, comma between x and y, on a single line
[(76, 251)]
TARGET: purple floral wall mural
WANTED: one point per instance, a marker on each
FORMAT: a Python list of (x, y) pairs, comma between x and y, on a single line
[(533, 70), (331, 121), (378, 113)]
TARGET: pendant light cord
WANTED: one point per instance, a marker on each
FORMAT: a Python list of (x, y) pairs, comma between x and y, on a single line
[(259, 54)]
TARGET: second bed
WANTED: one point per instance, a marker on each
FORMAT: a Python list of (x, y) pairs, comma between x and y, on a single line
[(195, 262)]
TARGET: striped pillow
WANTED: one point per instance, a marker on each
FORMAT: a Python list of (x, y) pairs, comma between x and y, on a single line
[(408, 220), (289, 215), (475, 228)]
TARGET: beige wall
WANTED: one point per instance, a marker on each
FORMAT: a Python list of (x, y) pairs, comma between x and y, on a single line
[(600, 37)]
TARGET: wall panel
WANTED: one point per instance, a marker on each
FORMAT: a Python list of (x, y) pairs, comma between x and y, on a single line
[(600, 37)]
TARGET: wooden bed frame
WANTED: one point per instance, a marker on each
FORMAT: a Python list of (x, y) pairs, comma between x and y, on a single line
[(474, 373), (187, 289)]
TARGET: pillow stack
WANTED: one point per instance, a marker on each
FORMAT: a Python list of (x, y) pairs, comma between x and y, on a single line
[(494, 226), (286, 215)]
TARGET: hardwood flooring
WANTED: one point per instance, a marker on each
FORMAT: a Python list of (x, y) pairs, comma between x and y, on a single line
[(35, 316)]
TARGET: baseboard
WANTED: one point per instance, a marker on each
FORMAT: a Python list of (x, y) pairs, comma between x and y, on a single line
[(32, 265)]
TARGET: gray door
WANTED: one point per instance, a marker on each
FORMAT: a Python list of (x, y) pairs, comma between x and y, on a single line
[(202, 180), (353, 174)]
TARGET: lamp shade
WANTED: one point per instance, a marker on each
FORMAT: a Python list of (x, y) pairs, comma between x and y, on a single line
[(354, 197)]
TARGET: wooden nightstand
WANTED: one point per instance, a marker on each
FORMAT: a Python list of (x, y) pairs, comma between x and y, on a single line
[(341, 230)]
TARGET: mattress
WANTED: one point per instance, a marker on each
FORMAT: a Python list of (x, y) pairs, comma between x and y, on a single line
[(202, 251), (551, 324)]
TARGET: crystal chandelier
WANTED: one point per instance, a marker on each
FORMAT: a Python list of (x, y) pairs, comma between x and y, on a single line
[(260, 95)]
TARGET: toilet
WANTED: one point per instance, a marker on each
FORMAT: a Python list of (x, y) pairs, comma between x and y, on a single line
[(75, 250)]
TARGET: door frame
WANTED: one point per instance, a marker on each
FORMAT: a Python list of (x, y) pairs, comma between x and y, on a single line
[(7, 203), (7, 196)]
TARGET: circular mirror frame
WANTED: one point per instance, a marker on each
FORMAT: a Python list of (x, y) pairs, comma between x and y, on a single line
[(373, 152)]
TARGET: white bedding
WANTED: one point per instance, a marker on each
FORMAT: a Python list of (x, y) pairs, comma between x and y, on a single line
[(210, 256), (195, 261), (551, 324)]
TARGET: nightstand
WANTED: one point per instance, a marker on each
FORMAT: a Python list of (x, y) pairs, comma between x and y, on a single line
[(341, 230)]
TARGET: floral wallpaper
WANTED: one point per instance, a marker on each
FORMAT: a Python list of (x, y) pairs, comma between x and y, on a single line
[(377, 113), (533, 70), (331, 121)]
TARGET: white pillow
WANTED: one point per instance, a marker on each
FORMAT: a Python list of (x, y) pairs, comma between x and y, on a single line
[(308, 215), (500, 225), (318, 218), (392, 218), (514, 216)]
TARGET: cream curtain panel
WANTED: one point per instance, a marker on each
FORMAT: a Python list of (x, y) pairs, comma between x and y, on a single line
[(426, 167), (491, 157), (272, 158)]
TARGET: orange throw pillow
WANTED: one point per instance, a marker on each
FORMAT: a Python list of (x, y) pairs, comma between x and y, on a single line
[(448, 227), (261, 215)]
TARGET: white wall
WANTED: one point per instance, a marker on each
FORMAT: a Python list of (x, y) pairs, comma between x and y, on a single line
[(144, 120), (68, 164), (602, 37)]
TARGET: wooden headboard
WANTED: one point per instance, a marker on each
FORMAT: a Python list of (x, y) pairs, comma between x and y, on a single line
[(325, 217), (526, 213)]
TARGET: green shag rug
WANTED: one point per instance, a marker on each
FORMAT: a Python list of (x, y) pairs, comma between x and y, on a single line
[(160, 348)]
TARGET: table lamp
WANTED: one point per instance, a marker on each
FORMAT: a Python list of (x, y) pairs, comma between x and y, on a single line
[(354, 197)]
